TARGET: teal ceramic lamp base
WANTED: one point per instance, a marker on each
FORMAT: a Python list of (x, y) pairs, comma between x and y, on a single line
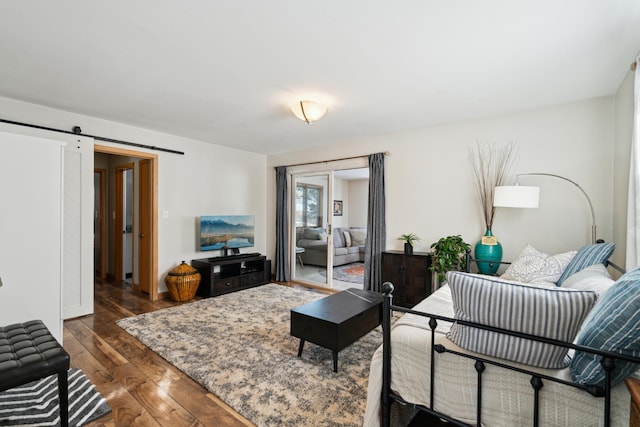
[(488, 254)]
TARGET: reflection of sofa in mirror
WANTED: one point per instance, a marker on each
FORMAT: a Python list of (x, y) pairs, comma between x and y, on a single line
[(348, 245)]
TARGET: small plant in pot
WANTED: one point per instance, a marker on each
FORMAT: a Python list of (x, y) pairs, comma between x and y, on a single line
[(408, 242), (448, 254)]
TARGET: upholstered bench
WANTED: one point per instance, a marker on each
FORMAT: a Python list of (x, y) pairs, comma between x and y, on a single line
[(29, 352)]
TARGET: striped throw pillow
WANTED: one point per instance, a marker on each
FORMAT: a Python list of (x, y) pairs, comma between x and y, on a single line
[(613, 325), (550, 312), (597, 253)]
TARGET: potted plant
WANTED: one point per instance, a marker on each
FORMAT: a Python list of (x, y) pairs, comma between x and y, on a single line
[(490, 166), (448, 254), (408, 242)]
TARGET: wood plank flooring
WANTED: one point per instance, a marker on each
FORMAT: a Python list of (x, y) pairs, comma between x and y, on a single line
[(140, 386)]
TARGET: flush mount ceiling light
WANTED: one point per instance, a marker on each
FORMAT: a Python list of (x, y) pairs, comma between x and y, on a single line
[(308, 111)]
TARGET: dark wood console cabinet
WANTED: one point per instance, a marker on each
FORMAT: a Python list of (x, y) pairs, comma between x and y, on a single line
[(221, 275), (409, 274)]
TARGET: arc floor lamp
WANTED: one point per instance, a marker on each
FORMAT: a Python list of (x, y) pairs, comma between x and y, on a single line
[(521, 196)]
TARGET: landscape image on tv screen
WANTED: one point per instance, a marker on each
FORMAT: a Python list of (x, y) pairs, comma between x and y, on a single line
[(226, 232)]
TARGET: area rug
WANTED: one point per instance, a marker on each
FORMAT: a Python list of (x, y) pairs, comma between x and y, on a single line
[(36, 403), (353, 273), (238, 347)]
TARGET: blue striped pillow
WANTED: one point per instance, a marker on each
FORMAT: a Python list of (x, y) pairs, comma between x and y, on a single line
[(550, 312), (613, 325), (597, 253)]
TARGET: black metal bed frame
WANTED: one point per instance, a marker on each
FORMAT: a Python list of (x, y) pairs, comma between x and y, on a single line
[(389, 396)]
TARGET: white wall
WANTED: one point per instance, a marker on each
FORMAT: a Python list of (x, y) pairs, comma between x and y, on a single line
[(358, 203), (207, 180), (622, 153), (429, 184), (341, 192)]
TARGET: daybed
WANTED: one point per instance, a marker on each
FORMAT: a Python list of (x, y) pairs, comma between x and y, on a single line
[(507, 396), (348, 245)]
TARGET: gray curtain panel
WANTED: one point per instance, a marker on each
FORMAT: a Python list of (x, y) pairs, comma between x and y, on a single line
[(376, 226), (283, 271)]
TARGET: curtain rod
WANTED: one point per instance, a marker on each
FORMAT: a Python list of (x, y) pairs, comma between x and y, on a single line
[(77, 131), (386, 153)]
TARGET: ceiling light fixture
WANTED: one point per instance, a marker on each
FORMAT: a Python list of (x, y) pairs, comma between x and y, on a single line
[(308, 111)]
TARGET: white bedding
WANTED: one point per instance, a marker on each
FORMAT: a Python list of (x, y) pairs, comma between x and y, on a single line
[(507, 395)]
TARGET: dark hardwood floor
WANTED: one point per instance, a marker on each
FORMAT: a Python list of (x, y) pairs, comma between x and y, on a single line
[(140, 386)]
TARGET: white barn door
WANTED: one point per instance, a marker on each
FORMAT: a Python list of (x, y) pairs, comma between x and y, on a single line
[(31, 230), (77, 243), (78, 271)]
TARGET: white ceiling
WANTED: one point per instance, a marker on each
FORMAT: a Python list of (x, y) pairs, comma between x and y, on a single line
[(226, 72)]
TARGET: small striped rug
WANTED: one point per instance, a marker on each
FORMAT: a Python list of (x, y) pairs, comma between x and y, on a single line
[(36, 403)]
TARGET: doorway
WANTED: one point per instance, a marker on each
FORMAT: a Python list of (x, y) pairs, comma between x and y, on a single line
[(135, 238), (327, 206), (125, 258), (313, 244)]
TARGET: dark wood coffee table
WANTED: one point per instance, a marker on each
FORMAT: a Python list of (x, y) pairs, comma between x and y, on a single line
[(337, 321)]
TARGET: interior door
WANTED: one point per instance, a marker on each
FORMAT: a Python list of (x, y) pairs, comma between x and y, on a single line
[(145, 224), (120, 235), (312, 245), (77, 197), (31, 230), (77, 232)]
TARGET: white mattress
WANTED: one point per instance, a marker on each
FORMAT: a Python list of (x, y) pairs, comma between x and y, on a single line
[(507, 395)]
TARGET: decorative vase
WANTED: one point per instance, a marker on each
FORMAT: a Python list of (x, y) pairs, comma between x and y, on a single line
[(488, 253), (182, 282), (408, 248)]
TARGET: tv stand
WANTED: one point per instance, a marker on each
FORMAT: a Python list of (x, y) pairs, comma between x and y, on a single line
[(230, 273)]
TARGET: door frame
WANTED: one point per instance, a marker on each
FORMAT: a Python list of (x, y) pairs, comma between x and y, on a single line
[(106, 149), (316, 169)]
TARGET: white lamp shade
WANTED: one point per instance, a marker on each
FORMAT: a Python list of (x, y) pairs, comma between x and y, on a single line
[(516, 196), (308, 111)]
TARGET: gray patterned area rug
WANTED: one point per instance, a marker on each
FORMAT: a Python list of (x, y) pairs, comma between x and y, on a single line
[(238, 346), (36, 403)]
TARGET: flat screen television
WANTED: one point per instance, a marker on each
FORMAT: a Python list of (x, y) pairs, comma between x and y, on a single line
[(222, 232)]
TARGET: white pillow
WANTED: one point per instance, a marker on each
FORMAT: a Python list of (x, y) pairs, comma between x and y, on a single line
[(533, 266), (358, 236), (347, 238), (555, 313), (593, 278)]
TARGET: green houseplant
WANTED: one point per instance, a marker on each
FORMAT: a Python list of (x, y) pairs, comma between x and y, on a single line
[(408, 242), (448, 254)]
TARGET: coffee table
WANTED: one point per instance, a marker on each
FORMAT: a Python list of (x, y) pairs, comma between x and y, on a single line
[(337, 321)]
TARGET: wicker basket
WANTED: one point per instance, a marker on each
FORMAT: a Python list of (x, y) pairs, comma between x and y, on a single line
[(183, 282)]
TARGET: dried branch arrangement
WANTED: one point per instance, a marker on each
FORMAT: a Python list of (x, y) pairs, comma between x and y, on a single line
[(491, 167)]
